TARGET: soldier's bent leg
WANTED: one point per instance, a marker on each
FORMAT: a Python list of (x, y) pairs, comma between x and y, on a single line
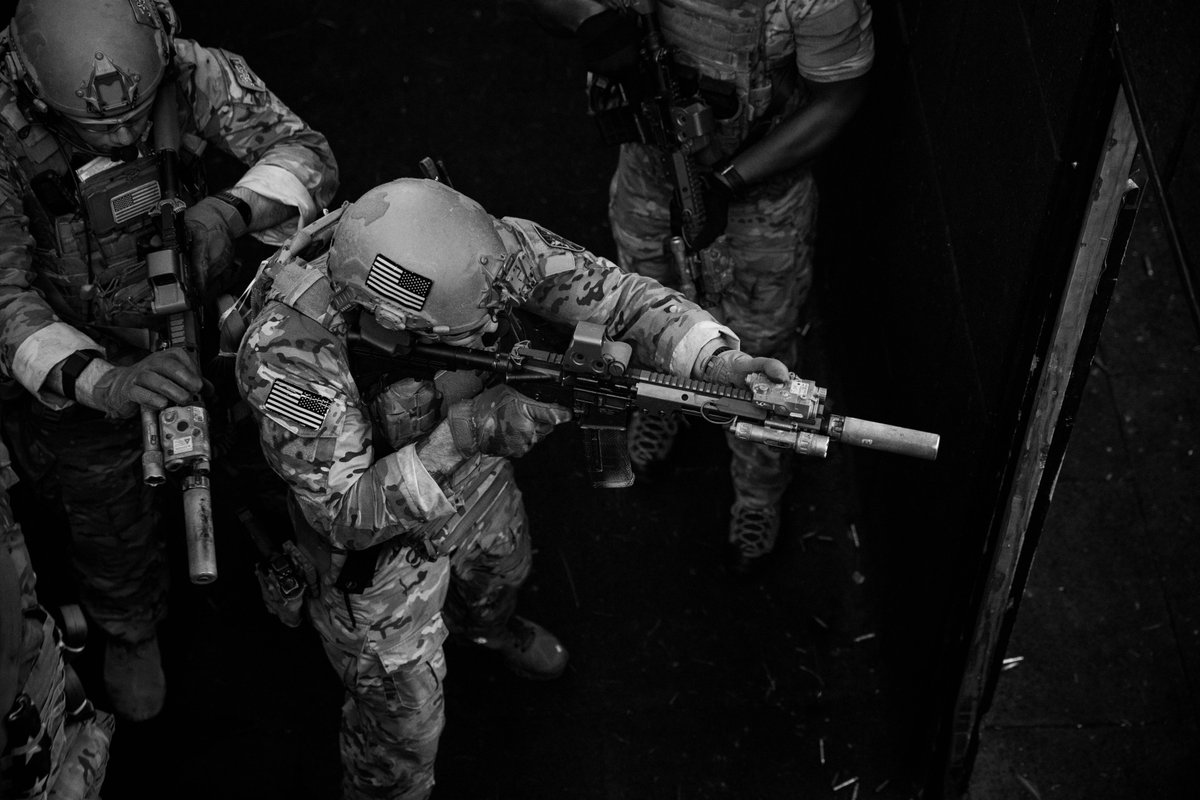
[(640, 216), (115, 550), (487, 572), (385, 644), (770, 238), (391, 724)]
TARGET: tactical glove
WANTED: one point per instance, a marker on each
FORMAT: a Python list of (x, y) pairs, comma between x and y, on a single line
[(733, 366), (609, 42), (212, 225), (158, 380), (501, 421)]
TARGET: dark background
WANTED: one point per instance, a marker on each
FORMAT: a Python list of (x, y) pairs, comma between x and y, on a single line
[(944, 234)]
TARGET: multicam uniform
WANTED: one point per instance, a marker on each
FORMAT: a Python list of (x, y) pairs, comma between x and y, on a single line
[(57, 746), (358, 483), (758, 47), (69, 283)]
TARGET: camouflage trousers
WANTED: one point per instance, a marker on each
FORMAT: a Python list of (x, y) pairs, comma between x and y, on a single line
[(117, 553), (768, 242), (386, 644)]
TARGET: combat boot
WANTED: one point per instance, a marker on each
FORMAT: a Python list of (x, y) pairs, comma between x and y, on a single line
[(134, 679), (528, 649), (753, 530), (651, 437)]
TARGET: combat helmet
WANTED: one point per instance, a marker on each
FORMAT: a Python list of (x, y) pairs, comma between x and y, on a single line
[(96, 62), (420, 256)]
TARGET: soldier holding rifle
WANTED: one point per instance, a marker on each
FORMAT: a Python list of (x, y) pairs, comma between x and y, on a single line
[(402, 493), (721, 106), (107, 241)]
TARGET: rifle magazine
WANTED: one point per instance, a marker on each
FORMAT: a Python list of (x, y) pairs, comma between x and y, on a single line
[(607, 453)]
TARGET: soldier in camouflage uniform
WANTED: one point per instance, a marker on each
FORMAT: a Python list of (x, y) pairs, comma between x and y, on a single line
[(784, 76), (402, 488), (53, 743), (80, 85)]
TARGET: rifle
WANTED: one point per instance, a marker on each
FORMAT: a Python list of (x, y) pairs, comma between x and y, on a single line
[(176, 439), (592, 378), (651, 109)]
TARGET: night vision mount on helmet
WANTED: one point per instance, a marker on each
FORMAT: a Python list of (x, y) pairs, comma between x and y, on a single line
[(96, 62)]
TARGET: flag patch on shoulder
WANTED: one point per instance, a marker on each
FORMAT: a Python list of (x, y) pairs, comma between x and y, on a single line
[(554, 240), (298, 405)]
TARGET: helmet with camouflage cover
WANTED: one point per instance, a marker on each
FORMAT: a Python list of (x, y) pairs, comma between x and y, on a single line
[(96, 62), (419, 256)]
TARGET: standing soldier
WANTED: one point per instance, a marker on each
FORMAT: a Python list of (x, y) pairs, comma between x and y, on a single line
[(53, 743), (403, 493), (778, 79), (83, 86)]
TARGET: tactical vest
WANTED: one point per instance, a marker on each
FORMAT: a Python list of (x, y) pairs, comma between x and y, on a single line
[(91, 231), (722, 41)]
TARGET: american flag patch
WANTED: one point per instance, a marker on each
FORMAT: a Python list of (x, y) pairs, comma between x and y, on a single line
[(137, 200), (298, 405), (398, 284)]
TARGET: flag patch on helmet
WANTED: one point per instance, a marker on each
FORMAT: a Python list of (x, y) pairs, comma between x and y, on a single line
[(554, 240), (400, 285), (297, 405)]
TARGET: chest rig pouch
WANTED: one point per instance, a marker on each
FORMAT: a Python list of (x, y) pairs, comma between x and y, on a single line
[(121, 194), (718, 70)]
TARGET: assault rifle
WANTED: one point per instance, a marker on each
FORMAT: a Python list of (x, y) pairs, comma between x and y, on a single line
[(650, 108), (592, 378), (176, 439)]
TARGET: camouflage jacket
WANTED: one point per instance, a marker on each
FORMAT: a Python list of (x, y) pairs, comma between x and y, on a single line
[(317, 433), (57, 290)]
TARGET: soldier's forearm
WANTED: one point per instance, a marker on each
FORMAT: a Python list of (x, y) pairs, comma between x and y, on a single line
[(264, 212), (84, 389), (438, 452), (805, 134), (567, 14)]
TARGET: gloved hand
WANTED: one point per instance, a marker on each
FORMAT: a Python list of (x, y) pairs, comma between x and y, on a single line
[(733, 366), (212, 225), (158, 380), (501, 421), (609, 42), (716, 197)]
